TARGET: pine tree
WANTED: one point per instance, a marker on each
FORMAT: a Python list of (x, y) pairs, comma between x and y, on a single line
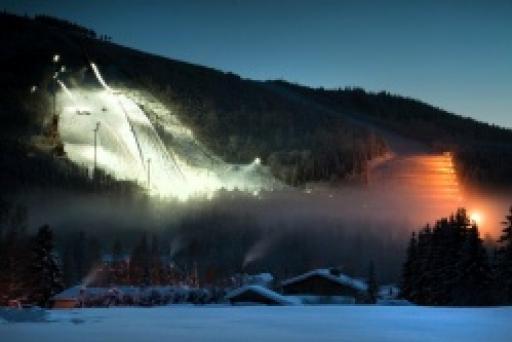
[(448, 265), (139, 269), (156, 268), (421, 287), (13, 252), (474, 278), (118, 267), (447, 240), (372, 291), (409, 268), (46, 276), (504, 262)]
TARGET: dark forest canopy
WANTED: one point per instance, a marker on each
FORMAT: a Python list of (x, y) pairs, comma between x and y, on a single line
[(448, 264), (303, 134)]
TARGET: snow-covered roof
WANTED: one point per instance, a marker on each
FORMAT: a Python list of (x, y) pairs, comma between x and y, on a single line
[(74, 292), (341, 279), (264, 292), (262, 278)]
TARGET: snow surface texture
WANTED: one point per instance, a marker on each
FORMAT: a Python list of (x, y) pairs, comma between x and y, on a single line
[(130, 147), (260, 323)]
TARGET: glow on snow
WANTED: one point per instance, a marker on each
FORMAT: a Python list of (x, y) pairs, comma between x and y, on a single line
[(129, 147)]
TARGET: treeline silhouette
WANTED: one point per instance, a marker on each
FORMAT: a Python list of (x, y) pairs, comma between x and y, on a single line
[(29, 268), (89, 261), (25, 169), (65, 25), (447, 264), (483, 152), (57, 23)]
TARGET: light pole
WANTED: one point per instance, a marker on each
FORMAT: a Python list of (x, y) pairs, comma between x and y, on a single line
[(95, 148), (149, 174), (55, 60), (54, 88)]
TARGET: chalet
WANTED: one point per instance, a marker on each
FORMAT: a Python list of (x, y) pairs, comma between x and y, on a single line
[(262, 279), (68, 299), (80, 296), (77, 296), (257, 294), (324, 286)]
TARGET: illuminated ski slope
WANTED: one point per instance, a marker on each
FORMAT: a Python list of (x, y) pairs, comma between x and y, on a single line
[(423, 180), (430, 176), (129, 147)]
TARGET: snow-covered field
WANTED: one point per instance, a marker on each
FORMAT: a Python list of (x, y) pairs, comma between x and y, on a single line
[(261, 323)]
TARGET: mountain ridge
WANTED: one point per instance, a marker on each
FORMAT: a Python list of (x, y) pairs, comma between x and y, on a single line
[(240, 118)]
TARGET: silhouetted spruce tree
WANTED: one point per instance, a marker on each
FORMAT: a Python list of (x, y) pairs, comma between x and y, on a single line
[(140, 264), (45, 274), (473, 281), (422, 280), (118, 267), (156, 262), (13, 252), (447, 241), (448, 265), (372, 291), (504, 262), (409, 268), (437, 261)]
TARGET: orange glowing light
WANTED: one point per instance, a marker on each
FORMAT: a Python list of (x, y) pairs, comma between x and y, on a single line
[(476, 217)]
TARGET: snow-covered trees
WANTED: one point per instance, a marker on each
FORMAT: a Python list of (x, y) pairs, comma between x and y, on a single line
[(448, 265), (504, 262), (473, 278), (408, 268), (139, 270), (13, 250), (45, 274), (119, 265)]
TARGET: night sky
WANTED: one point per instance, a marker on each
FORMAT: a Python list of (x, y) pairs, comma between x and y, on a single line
[(452, 54)]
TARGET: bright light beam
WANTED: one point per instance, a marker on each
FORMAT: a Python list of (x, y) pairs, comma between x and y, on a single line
[(476, 217), (100, 78)]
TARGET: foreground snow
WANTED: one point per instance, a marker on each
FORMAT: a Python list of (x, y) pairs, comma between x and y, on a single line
[(260, 323)]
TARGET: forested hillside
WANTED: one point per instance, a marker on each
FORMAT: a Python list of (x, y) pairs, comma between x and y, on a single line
[(310, 136), (483, 152)]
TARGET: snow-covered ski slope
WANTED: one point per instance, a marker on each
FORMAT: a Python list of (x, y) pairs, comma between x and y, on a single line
[(130, 148)]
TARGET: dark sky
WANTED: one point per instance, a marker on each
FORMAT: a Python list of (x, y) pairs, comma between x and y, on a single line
[(453, 54)]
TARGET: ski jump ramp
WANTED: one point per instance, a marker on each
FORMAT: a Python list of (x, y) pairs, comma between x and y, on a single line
[(130, 148)]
